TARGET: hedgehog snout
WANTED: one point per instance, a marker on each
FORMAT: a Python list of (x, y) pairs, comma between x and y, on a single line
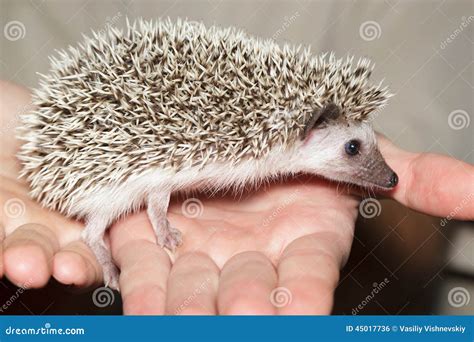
[(390, 180), (393, 181), (384, 176), (376, 171)]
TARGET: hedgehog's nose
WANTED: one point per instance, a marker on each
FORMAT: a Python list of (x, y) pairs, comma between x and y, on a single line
[(393, 180)]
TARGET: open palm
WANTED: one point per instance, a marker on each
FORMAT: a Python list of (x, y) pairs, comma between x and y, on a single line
[(275, 250), (278, 249)]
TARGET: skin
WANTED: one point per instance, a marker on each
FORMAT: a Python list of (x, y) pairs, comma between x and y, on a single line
[(235, 253)]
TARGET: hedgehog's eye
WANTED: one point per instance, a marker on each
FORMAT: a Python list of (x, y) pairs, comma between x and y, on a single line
[(352, 147)]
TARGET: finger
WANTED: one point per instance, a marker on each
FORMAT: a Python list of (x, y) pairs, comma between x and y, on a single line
[(144, 267), (28, 255), (75, 265), (431, 183), (308, 273), (246, 282), (192, 286)]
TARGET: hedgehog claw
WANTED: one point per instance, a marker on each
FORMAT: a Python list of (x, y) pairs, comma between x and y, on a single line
[(173, 239), (111, 276)]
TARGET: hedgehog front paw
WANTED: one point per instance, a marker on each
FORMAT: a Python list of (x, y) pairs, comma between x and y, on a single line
[(110, 272)]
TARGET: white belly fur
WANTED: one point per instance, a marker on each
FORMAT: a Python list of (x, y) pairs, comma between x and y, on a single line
[(116, 201)]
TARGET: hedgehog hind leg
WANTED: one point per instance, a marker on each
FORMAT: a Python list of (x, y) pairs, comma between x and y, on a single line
[(93, 236), (166, 235)]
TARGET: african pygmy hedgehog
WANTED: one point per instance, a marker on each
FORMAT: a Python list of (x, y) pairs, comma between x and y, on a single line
[(125, 119)]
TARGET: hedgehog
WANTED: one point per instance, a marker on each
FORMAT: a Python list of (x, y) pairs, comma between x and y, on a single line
[(129, 117)]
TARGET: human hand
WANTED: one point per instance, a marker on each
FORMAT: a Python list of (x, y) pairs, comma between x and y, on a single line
[(293, 237), (35, 243), (38, 243), (276, 251)]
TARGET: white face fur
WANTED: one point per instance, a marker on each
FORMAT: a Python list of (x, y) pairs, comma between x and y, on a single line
[(346, 152)]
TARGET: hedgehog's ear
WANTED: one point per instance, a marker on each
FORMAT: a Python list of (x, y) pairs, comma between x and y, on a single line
[(320, 116)]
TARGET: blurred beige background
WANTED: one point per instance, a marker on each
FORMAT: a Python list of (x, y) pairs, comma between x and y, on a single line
[(424, 51)]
